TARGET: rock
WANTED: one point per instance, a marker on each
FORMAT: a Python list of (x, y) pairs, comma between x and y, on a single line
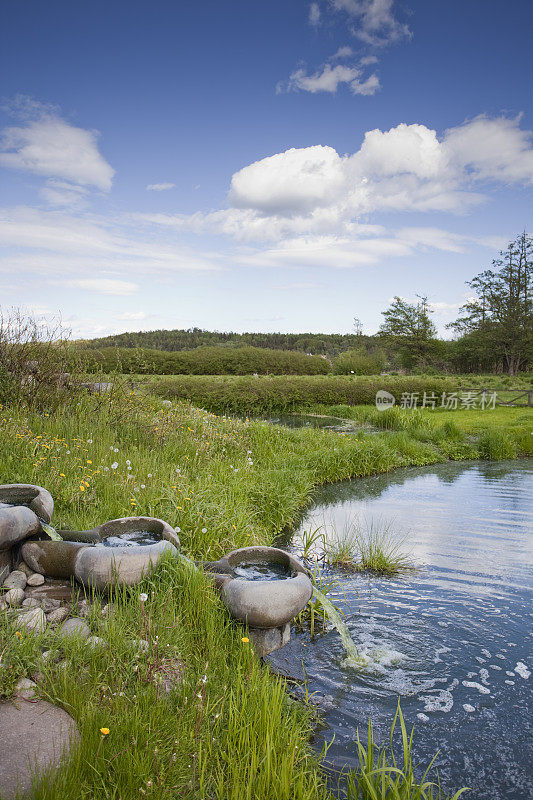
[(16, 580), (23, 567), (108, 610), (30, 602), (37, 736), (16, 524), (3, 604), (84, 609), (33, 620), (47, 655), (95, 642), (75, 627), (26, 689), (57, 615), (49, 604), (35, 579), (14, 597)]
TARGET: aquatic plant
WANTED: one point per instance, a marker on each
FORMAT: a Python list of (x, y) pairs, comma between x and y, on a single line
[(382, 776), (373, 547)]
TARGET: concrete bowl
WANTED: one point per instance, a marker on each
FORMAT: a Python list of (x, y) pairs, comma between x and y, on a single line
[(102, 567), (262, 603), (39, 500)]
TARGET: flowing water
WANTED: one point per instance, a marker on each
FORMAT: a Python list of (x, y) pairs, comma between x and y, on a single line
[(453, 640)]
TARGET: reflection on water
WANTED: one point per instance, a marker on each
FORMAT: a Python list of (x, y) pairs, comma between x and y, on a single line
[(262, 572), (453, 640), (129, 539)]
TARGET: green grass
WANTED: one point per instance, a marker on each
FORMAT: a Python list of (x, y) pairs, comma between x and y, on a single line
[(225, 484), (383, 776), (374, 548)]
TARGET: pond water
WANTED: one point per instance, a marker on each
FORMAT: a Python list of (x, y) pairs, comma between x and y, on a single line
[(452, 640), (335, 424), (262, 572)]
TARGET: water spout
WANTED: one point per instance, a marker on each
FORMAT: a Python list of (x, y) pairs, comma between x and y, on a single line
[(353, 658), (52, 533)]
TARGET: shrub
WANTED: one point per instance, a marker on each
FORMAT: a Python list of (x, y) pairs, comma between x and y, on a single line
[(34, 361), (203, 361), (276, 394), (358, 362)]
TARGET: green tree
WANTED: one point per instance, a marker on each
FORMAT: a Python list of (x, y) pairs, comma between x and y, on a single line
[(409, 329), (499, 319)]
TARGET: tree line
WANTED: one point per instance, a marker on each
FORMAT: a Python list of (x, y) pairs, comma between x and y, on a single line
[(493, 333)]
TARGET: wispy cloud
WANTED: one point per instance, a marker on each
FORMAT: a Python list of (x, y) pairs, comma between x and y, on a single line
[(328, 79), (374, 22), (104, 286), (160, 187), (314, 14)]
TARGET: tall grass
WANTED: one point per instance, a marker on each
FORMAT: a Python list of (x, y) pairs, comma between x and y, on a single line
[(372, 546), (384, 776)]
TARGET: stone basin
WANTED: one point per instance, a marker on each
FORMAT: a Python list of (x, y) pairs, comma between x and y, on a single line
[(84, 556), (39, 500), (22, 508), (262, 602)]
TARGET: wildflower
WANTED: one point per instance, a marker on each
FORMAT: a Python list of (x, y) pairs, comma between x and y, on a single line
[(104, 731), (115, 449), (89, 461), (89, 441), (149, 474), (18, 633), (128, 462), (178, 530), (114, 465), (61, 474), (143, 597), (245, 639), (82, 487), (204, 530)]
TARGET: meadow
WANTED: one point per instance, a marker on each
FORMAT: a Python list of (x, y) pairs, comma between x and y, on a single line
[(227, 728)]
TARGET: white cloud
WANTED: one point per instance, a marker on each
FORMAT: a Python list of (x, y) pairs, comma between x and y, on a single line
[(347, 52), (314, 14), (132, 315), (104, 286), (160, 187), (491, 149), (54, 243), (51, 147), (296, 180), (329, 78), (374, 21)]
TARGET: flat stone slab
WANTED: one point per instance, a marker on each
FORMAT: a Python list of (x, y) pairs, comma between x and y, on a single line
[(36, 737)]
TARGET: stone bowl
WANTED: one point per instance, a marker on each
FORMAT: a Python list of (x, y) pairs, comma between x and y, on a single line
[(39, 500), (262, 603), (102, 567)]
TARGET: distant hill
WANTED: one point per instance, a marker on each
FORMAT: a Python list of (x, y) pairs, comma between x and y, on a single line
[(330, 344)]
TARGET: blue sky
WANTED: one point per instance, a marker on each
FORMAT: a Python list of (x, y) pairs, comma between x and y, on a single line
[(253, 166)]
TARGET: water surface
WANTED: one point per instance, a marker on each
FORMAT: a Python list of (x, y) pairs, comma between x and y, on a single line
[(452, 641)]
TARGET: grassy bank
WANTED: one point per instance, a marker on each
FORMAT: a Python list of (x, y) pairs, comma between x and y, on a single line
[(227, 729)]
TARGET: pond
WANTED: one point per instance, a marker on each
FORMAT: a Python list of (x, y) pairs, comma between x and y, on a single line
[(452, 640)]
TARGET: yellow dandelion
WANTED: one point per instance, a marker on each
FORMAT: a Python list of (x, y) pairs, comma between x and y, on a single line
[(18, 633), (61, 474), (82, 487), (89, 461), (104, 731), (245, 639)]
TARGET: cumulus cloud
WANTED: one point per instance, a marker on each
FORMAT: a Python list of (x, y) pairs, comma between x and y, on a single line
[(103, 286), (160, 187), (305, 204), (328, 79), (54, 148)]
